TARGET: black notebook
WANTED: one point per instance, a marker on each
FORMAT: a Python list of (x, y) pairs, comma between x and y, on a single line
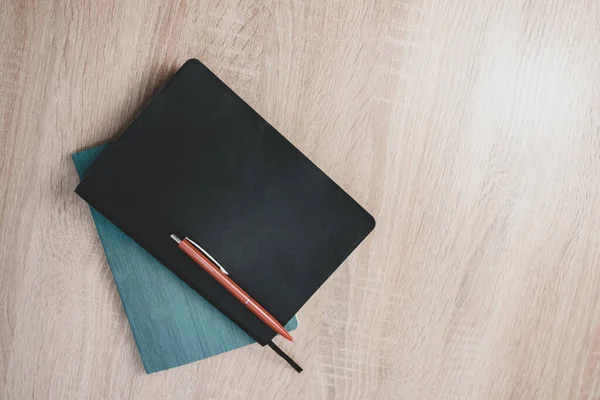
[(200, 162)]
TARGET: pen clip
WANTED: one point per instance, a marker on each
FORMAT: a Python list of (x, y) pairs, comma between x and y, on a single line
[(207, 255)]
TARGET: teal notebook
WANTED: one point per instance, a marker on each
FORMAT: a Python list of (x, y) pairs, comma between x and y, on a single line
[(171, 323)]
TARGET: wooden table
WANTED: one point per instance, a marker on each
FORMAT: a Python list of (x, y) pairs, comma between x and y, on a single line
[(470, 129)]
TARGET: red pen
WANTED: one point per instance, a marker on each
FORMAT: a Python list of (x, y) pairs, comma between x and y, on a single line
[(210, 265)]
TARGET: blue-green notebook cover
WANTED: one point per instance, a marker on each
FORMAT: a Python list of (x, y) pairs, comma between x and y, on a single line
[(171, 323)]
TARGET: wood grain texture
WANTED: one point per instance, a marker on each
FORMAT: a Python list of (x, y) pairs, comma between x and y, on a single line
[(470, 129)]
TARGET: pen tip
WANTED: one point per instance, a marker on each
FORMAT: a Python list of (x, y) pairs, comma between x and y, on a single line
[(175, 238), (288, 336)]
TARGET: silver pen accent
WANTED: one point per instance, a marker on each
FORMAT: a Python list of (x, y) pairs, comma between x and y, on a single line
[(177, 240)]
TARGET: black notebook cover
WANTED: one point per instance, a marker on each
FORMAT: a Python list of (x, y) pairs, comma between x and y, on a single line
[(200, 162)]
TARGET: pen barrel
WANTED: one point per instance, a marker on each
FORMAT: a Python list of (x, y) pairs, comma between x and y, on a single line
[(267, 318), (233, 288), (214, 272)]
